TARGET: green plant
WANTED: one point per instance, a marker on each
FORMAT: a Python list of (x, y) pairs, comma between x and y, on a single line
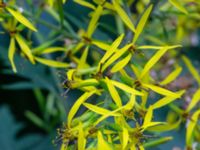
[(119, 77)]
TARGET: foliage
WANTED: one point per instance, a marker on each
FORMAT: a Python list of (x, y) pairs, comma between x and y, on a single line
[(117, 67)]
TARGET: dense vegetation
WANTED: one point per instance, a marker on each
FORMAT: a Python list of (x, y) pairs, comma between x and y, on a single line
[(122, 67)]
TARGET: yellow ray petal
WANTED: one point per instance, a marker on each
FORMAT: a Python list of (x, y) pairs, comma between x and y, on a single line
[(194, 101), (11, 53)]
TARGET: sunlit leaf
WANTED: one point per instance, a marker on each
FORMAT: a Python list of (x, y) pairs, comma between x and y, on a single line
[(125, 136), (126, 88), (116, 56), (125, 18), (194, 101), (154, 59), (113, 92), (112, 48), (121, 64), (172, 76), (21, 19), (24, 47), (191, 126), (166, 100), (161, 91), (93, 22), (191, 68), (77, 105), (178, 5), (52, 63), (81, 138), (99, 110), (11, 53), (142, 23), (85, 3), (102, 144)]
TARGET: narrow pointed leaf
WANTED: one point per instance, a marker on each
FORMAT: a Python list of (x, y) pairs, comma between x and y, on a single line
[(21, 19), (125, 136), (113, 92), (126, 88), (125, 18), (142, 23), (11, 53), (102, 144), (85, 3), (52, 63), (191, 126), (194, 101), (116, 56), (98, 110), (172, 76), (191, 68), (166, 100), (178, 5), (121, 64), (77, 105), (93, 22), (161, 91), (24, 47)]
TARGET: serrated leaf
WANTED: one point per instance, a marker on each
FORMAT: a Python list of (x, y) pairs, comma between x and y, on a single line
[(172, 76), (125, 18), (113, 92), (142, 23), (194, 101), (24, 47), (21, 19), (178, 5), (121, 64), (11, 52), (77, 105), (166, 100), (52, 63)]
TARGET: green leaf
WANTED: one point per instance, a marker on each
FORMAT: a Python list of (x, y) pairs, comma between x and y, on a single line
[(98, 110), (125, 18), (172, 76), (21, 19), (52, 63), (102, 144), (121, 64), (166, 100), (77, 105), (113, 92), (142, 23), (178, 5), (11, 53), (194, 101), (24, 47)]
